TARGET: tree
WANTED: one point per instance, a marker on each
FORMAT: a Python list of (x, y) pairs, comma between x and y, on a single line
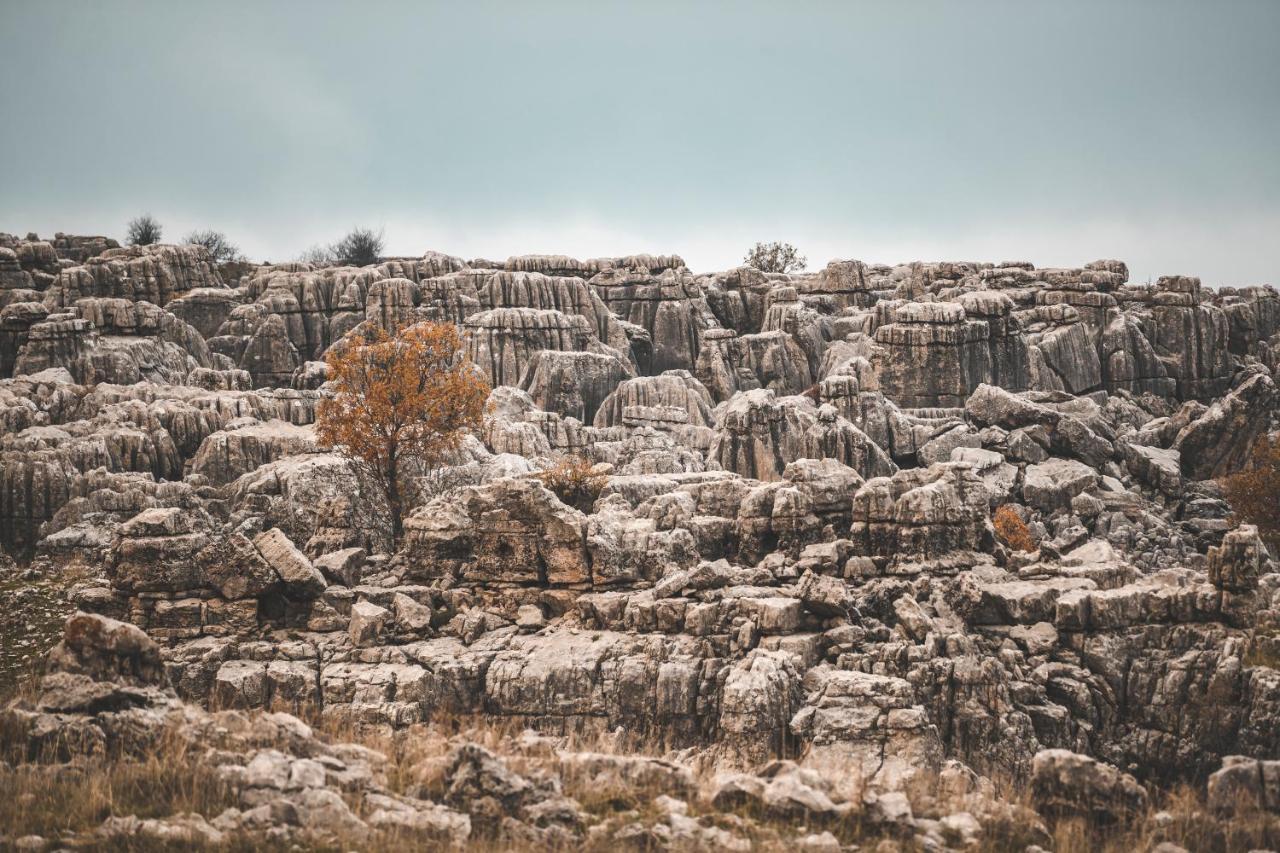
[(317, 255), (221, 250), (400, 401), (775, 257), (1254, 493), (360, 248), (144, 231)]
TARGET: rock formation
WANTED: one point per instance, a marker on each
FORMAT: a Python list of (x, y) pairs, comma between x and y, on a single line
[(782, 566)]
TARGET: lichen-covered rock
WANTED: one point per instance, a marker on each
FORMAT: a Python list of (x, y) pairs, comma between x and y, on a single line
[(669, 306), (503, 341), (1244, 785), (103, 649), (674, 389), (758, 434), (572, 384), (154, 274), (1053, 483), (242, 447), (922, 512)]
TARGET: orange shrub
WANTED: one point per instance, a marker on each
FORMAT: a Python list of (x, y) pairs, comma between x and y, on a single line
[(1012, 530), (574, 483)]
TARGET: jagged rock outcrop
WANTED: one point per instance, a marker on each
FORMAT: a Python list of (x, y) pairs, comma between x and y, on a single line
[(669, 306), (1218, 442), (515, 531), (573, 384), (757, 434), (502, 342), (154, 274), (673, 390)]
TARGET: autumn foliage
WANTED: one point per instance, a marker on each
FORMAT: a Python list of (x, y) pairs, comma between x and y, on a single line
[(1012, 530), (574, 482), (1254, 493), (400, 404)]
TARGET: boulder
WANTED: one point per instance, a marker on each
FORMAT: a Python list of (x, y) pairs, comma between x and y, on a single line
[(300, 578), (1219, 441), (1052, 484), (367, 623), (1239, 561), (1067, 783)]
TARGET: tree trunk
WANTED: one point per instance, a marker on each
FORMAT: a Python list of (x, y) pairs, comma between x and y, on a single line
[(393, 498)]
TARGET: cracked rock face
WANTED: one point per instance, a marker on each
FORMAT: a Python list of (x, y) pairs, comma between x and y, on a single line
[(786, 566)]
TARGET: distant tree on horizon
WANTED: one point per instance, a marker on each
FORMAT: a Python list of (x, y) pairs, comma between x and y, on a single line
[(360, 248), (316, 255), (144, 230), (221, 250), (775, 257)]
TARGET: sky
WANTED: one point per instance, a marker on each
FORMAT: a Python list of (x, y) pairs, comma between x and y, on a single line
[(891, 131)]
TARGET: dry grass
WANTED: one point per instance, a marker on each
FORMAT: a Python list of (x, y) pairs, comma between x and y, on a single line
[(417, 762), (49, 799), (1179, 816), (58, 801)]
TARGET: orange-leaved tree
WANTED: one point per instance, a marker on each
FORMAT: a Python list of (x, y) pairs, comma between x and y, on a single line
[(1254, 493), (400, 402)]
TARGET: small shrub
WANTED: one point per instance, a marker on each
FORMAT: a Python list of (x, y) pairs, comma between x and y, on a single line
[(1254, 493), (574, 483), (143, 231), (775, 257), (1012, 530)]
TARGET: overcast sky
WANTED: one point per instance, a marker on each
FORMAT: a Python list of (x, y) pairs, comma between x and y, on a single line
[(1055, 132)]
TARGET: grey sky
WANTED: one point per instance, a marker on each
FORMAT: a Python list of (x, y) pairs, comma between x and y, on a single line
[(1047, 131)]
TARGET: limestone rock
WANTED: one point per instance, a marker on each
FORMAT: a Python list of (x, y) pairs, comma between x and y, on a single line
[(367, 622), (1237, 564), (1053, 483), (342, 566), (1066, 782), (1218, 442), (300, 578), (106, 650)]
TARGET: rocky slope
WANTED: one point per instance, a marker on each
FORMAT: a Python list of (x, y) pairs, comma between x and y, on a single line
[(791, 557)]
